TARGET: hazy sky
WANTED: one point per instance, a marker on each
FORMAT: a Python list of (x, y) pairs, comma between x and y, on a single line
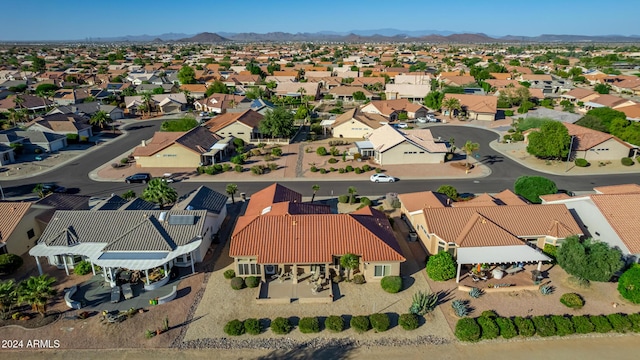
[(74, 19)]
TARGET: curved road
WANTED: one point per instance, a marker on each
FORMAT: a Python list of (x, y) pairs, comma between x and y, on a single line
[(74, 175)]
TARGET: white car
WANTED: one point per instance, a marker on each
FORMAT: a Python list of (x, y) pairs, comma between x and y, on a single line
[(422, 120), (402, 125), (382, 178)]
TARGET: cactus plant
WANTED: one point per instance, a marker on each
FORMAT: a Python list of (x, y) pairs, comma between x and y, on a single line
[(546, 289), (423, 302), (460, 308), (475, 292)]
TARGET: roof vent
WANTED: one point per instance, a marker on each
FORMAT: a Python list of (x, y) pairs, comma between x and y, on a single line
[(163, 216), (266, 210)]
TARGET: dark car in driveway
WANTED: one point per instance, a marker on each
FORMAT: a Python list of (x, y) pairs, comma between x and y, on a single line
[(138, 178), (53, 188)]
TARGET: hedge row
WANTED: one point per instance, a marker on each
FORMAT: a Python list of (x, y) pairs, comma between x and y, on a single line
[(380, 322), (488, 327)]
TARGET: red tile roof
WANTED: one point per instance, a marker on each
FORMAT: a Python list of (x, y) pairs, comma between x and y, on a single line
[(11, 214), (270, 195), (620, 210)]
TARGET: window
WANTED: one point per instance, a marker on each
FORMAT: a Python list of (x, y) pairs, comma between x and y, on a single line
[(31, 234), (381, 270), (248, 267)]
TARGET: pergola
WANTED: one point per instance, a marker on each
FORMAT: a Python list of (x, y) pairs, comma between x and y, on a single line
[(499, 255)]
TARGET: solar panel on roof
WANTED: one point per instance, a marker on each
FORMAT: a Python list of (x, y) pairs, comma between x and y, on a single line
[(182, 219)]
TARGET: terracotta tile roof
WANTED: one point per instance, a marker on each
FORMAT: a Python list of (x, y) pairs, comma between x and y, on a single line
[(554, 197), (632, 111), (609, 100), (424, 199), (371, 120), (270, 195), (12, 213), (508, 197), (386, 137), (588, 138), (480, 231), (520, 221), (620, 210), (476, 103), (579, 93), (458, 80), (249, 118), (387, 107), (349, 90), (312, 239), (618, 189), (160, 140)]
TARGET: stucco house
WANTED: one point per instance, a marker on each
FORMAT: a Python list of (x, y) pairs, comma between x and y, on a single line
[(63, 124), (594, 145), (391, 109), (163, 103), (477, 107), (390, 146), (190, 149), (412, 92), (242, 125), (220, 103), (279, 231), (356, 124), (19, 230)]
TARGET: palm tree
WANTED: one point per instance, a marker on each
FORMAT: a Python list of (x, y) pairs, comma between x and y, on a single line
[(146, 98), (451, 104), (36, 291), (302, 91), (159, 192), (231, 190), (100, 119), (39, 189), (18, 101), (315, 189), (469, 147), (8, 297), (352, 192), (350, 262), (14, 116)]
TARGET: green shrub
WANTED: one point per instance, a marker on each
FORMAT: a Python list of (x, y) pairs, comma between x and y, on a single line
[(380, 322), (629, 284), (334, 323), (238, 160), (550, 250), (517, 136), (323, 171), (358, 171), (635, 322), (238, 168), (252, 326), (564, 326), (580, 162), (276, 151), (489, 328), (600, 323), (237, 283), (582, 324), (508, 113), (349, 168), (252, 281), (281, 326), (229, 274), (234, 328), (525, 326), (322, 151), (544, 326), (391, 284), (82, 268), (209, 170), (365, 201), (578, 282), (308, 325), (9, 263), (423, 303), (343, 199), (572, 300), (619, 322), (360, 324), (366, 167), (467, 329), (409, 321), (531, 187), (333, 161), (441, 267), (490, 314), (507, 328), (626, 161), (313, 169), (358, 279), (341, 171), (226, 167)]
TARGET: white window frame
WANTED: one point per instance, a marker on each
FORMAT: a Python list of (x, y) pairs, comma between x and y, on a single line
[(386, 270)]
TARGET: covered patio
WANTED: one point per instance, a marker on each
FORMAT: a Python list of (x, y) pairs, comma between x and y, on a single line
[(285, 291)]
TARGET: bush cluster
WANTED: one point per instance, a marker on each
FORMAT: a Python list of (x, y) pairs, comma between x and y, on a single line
[(229, 274), (9, 263), (237, 283), (580, 162), (308, 325), (281, 326), (629, 284), (252, 281), (358, 279), (380, 322), (626, 161), (572, 300), (360, 324), (391, 284), (409, 321), (441, 266), (334, 323), (82, 268), (234, 328)]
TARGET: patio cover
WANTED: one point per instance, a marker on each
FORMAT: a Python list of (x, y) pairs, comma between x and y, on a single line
[(500, 254)]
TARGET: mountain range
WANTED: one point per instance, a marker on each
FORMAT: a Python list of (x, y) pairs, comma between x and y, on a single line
[(376, 35)]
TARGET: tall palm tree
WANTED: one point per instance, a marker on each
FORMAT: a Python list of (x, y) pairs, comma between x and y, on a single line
[(14, 116), (39, 190), (36, 291), (146, 98), (231, 190), (19, 100), (352, 192), (469, 147), (8, 297), (315, 189), (100, 119), (159, 192), (302, 92), (350, 262), (451, 104)]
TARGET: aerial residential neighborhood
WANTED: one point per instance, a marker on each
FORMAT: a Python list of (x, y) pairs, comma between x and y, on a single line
[(312, 194)]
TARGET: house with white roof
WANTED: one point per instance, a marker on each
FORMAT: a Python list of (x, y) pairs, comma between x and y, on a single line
[(390, 146)]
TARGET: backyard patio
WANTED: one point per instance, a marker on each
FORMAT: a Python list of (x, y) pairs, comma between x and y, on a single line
[(304, 291), (503, 278)]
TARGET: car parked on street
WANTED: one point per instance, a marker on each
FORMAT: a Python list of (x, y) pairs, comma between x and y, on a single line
[(53, 188), (382, 178), (138, 178), (402, 125)]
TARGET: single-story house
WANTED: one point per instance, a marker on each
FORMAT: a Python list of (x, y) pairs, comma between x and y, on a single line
[(356, 124), (577, 95), (63, 124), (164, 103), (31, 103), (345, 93), (7, 155), (19, 230), (220, 103), (279, 232), (391, 109), (609, 215), (190, 149), (594, 145), (606, 100), (242, 125), (477, 107), (141, 240), (412, 92), (196, 91), (203, 198), (88, 109), (297, 89), (390, 146)]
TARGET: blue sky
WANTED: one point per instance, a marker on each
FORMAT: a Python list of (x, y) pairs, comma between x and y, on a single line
[(74, 19)]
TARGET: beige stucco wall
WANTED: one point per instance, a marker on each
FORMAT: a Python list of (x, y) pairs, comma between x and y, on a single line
[(480, 116), (237, 130), (368, 270), (352, 130), (173, 156), (18, 243), (396, 155), (615, 152)]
